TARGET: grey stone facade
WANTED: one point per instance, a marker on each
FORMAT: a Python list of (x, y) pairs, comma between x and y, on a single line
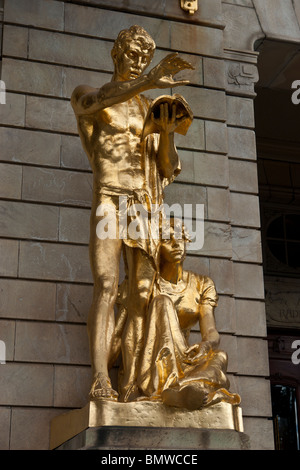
[(48, 48)]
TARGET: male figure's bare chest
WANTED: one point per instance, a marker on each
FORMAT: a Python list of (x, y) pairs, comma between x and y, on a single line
[(124, 117)]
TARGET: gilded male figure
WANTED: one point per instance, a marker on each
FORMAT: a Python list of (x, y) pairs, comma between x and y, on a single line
[(110, 123)]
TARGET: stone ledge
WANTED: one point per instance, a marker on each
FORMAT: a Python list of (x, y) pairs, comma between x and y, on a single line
[(100, 417), (152, 438)]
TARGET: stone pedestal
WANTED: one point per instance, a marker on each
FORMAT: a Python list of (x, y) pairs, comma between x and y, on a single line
[(147, 425), (147, 438)]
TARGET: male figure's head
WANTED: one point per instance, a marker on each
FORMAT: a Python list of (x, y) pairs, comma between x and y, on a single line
[(132, 53)]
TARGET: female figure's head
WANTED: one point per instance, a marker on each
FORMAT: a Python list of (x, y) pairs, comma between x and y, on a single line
[(173, 249)]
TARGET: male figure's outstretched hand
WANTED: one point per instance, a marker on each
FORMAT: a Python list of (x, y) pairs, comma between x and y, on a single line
[(162, 74)]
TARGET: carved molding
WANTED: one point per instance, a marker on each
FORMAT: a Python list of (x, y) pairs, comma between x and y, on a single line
[(241, 78), (282, 302), (241, 72)]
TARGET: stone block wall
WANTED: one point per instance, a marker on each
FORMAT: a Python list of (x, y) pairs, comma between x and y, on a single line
[(49, 47)]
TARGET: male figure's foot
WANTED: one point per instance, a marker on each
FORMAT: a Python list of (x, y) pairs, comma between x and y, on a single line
[(101, 388)]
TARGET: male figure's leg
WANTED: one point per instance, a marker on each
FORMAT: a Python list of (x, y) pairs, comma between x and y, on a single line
[(141, 276), (105, 259)]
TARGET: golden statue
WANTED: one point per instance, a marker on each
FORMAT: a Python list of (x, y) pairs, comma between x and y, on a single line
[(146, 320), (172, 371), (126, 163), (129, 141)]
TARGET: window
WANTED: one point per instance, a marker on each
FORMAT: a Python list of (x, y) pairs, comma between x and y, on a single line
[(285, 390), (285, 412), (283, 239)]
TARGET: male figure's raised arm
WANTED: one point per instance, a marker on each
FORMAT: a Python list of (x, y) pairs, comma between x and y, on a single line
[(88, 100)]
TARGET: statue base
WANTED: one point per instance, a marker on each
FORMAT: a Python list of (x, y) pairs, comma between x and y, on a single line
[(149, 425)]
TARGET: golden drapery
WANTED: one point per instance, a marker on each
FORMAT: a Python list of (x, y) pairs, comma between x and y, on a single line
[(170, 369)]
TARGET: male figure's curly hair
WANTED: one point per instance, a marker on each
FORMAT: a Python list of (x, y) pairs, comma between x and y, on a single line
[(136, 33)]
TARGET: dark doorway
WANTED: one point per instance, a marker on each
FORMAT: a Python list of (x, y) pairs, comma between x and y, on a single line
[(277, 121)]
